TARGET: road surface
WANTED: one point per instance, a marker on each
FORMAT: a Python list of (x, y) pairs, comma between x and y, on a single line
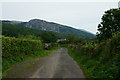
[(57, 65)]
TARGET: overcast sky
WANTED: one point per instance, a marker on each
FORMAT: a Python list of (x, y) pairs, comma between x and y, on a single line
[(80, 15)]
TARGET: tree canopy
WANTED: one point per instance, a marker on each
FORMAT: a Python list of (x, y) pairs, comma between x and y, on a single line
[(109, 25)]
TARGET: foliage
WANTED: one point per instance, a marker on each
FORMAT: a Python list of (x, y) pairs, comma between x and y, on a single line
[(99, 60), (110, 24), (49, 37), (71, 38)]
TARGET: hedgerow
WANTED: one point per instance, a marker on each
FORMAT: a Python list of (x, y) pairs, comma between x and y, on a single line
[(16, 50)]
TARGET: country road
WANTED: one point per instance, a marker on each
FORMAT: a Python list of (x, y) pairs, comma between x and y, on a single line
[(57, 65)]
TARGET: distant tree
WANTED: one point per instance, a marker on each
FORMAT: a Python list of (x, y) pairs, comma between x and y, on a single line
[(110, 24), (71, 38), (49, 37)]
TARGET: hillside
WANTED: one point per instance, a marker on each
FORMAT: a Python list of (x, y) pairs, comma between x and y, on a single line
[(20, 31), (54, 27)]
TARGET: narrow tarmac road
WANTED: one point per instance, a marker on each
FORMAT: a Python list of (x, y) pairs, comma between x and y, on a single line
[(57, 65)]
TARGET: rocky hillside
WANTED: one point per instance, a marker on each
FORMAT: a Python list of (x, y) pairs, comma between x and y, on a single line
[(54, 27)]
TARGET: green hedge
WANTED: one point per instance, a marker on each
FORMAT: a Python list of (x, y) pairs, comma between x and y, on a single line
[(16, 50), (13, 46)]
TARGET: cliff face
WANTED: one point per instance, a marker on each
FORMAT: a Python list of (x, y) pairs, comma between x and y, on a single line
[(43, 25)]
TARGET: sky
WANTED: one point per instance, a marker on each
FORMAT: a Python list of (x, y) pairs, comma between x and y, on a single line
[(80, 15)]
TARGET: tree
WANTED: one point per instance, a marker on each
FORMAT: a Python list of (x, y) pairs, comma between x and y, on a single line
[(49, 37), (71, 38), (109, 25)]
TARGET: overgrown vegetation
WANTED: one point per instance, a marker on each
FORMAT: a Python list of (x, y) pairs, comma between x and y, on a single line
[(99, 60)]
